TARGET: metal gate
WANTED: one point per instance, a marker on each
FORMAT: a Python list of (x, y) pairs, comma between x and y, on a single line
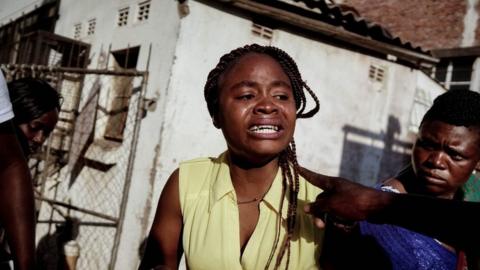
[(83, 173)]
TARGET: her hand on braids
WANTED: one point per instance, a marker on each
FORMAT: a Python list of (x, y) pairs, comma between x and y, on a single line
[(343, 199)]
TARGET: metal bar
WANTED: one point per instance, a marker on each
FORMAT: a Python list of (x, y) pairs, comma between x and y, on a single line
[(108, 55), (128, 175), (75, 70), (457, 52), (76, 208), (70, 56), (82, 223), (44, 173), (78, 56), (148, 58), (127, 55), (53, 208)]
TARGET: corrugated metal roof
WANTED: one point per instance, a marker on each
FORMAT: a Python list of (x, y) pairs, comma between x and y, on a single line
[(337, 23), (339, 15)]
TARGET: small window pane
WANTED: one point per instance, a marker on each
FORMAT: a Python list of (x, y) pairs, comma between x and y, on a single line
[(91, 26), (123, 16), (77, 30), (143, 11)]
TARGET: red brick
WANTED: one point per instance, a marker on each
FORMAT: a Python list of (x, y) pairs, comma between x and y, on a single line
[(431, 24)]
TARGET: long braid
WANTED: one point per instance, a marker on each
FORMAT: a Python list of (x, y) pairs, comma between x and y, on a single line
[(287, 158), (293, 184), (282, 162), (287, 179)]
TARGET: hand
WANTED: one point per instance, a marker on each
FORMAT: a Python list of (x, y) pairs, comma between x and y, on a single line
[(343, 199)]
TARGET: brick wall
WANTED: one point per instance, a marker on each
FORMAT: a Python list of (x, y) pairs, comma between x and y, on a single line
[(431, 24)]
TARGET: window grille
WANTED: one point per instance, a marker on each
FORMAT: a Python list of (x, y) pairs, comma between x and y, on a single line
[(123, 16), (143, 11), (91, 27), (376, 73), (262, 31), (455, 73), (421, 102), (77, 30), (122, 91)]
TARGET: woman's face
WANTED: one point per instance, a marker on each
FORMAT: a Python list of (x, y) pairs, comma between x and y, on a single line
[(38, 130), (257, 110), (444, 157)]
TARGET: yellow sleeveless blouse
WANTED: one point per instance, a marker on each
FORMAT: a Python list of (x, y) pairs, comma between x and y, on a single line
[(211, 234)]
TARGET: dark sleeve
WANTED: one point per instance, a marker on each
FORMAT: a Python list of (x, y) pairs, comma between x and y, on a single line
[(349, 249)]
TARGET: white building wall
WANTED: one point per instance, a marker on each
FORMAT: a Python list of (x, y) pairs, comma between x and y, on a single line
[(348, 98), (12, 9), (160, 32)]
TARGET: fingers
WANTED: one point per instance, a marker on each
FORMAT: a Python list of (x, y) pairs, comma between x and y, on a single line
[(318, 180), (315, 209), (319, 223)]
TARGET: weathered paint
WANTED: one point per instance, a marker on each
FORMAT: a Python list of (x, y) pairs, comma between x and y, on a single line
[(470, 22)]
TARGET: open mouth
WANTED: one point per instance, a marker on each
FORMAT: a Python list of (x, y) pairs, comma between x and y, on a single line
[(264, 129)]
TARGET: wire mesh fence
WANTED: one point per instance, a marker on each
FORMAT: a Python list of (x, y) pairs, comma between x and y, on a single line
[(82, 173)]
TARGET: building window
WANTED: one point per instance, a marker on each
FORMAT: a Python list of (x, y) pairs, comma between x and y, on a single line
[(122, 90), (455, 73), (143, 11), (91, 27), (376, 73), (77, 31), (377, 76), (262, 31), (123, 16), (421, 102)]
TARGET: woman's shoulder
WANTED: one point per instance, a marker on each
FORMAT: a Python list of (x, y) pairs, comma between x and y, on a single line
[(393, 185), (204, 160), (194, 173)]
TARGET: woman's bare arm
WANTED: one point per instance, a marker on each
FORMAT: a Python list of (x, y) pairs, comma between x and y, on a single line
[(16, 199), (164, 247)]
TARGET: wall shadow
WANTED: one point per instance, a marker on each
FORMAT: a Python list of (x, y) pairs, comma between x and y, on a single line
[(50, 254), (369, 157)]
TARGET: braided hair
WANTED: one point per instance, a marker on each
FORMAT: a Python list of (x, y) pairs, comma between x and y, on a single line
[(287, 158), (456, 107)]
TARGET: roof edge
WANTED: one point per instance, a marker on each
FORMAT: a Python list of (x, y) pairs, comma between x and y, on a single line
[(457, 52), (338, 33)]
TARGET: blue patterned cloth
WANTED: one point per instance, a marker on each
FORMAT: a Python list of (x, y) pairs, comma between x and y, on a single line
[(408, 250)]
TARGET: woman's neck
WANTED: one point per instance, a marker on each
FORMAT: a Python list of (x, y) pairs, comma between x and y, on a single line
[(252, 179)]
